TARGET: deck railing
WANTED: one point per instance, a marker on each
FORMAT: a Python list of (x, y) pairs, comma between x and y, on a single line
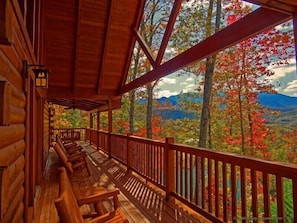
[(223, 187), (75, 134)]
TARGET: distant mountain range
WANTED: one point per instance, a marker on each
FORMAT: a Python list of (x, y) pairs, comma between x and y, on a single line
[(285, 104), (278, 101)]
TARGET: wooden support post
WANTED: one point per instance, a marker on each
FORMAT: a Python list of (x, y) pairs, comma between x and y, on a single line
[(129, 153), (40, 140), (170, 169), (91, 127), (91, 120), (98, 128), (109, 126)]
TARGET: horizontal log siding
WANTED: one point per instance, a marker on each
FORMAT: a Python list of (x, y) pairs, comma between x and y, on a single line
[(12, 147), (12, 136)]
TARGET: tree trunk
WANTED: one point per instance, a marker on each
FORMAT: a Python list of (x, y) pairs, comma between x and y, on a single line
[(132, 94), (149, 111), (210, 64), (131, 110), (204, 119), (241, 121)]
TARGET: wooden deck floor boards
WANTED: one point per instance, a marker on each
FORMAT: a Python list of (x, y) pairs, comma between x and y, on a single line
[(147, 198), (45, 211)]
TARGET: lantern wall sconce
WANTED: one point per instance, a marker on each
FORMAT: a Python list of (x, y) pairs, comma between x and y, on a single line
[(40, 74), (41, 78)]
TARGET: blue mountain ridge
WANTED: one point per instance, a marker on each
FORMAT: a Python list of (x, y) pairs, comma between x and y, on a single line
[(277, 101)]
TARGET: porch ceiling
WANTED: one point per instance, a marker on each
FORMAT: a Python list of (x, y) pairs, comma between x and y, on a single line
[(89, 43)]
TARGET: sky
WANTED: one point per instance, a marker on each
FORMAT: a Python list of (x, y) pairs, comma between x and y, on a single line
[(284, 80)]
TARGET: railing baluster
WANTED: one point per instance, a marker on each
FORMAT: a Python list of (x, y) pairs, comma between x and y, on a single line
[(225, 200), (254, 195), (217, 200), (196, 192), (177, 176), (181, 173), (280, 198), (202, 182), (209, 170), (267, 215), (186, 176), (243, 194), (233, 193), (191, 177)]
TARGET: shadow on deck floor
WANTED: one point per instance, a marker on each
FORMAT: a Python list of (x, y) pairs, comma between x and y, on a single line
[(147, 198)]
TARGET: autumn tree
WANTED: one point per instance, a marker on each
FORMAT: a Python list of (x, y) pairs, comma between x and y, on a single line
[(242, 72), (69, 118)]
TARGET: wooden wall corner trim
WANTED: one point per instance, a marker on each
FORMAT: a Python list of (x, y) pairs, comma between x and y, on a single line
[(5, 94)]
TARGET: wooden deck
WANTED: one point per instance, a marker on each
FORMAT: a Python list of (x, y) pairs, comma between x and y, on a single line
[(139, 200)]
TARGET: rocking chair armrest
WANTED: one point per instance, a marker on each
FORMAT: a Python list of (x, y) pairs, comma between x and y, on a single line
[(100, 196), (69, 147), (69, 144), (74, 150), (77, 156)]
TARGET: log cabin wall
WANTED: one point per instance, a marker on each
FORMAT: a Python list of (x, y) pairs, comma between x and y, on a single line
[(21, 142)]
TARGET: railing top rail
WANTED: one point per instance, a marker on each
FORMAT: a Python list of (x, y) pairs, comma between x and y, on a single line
[(270, 167), (151, 141), (63, 128)]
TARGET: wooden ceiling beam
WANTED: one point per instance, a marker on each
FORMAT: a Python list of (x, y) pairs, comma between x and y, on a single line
[(114, 105), (285, 6), (147, 51), (80, 93), (250, 25), (106, 43), (76, 49), (173, 15), (79, 104)]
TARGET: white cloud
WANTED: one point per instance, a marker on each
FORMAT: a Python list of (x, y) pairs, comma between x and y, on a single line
[(166, 80), (175, 84), (285, 78), (282, 71), (190, 87), (190, 79), (291, 88), (188, 82)]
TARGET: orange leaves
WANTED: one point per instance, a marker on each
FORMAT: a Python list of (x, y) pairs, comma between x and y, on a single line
[(231, 19)]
